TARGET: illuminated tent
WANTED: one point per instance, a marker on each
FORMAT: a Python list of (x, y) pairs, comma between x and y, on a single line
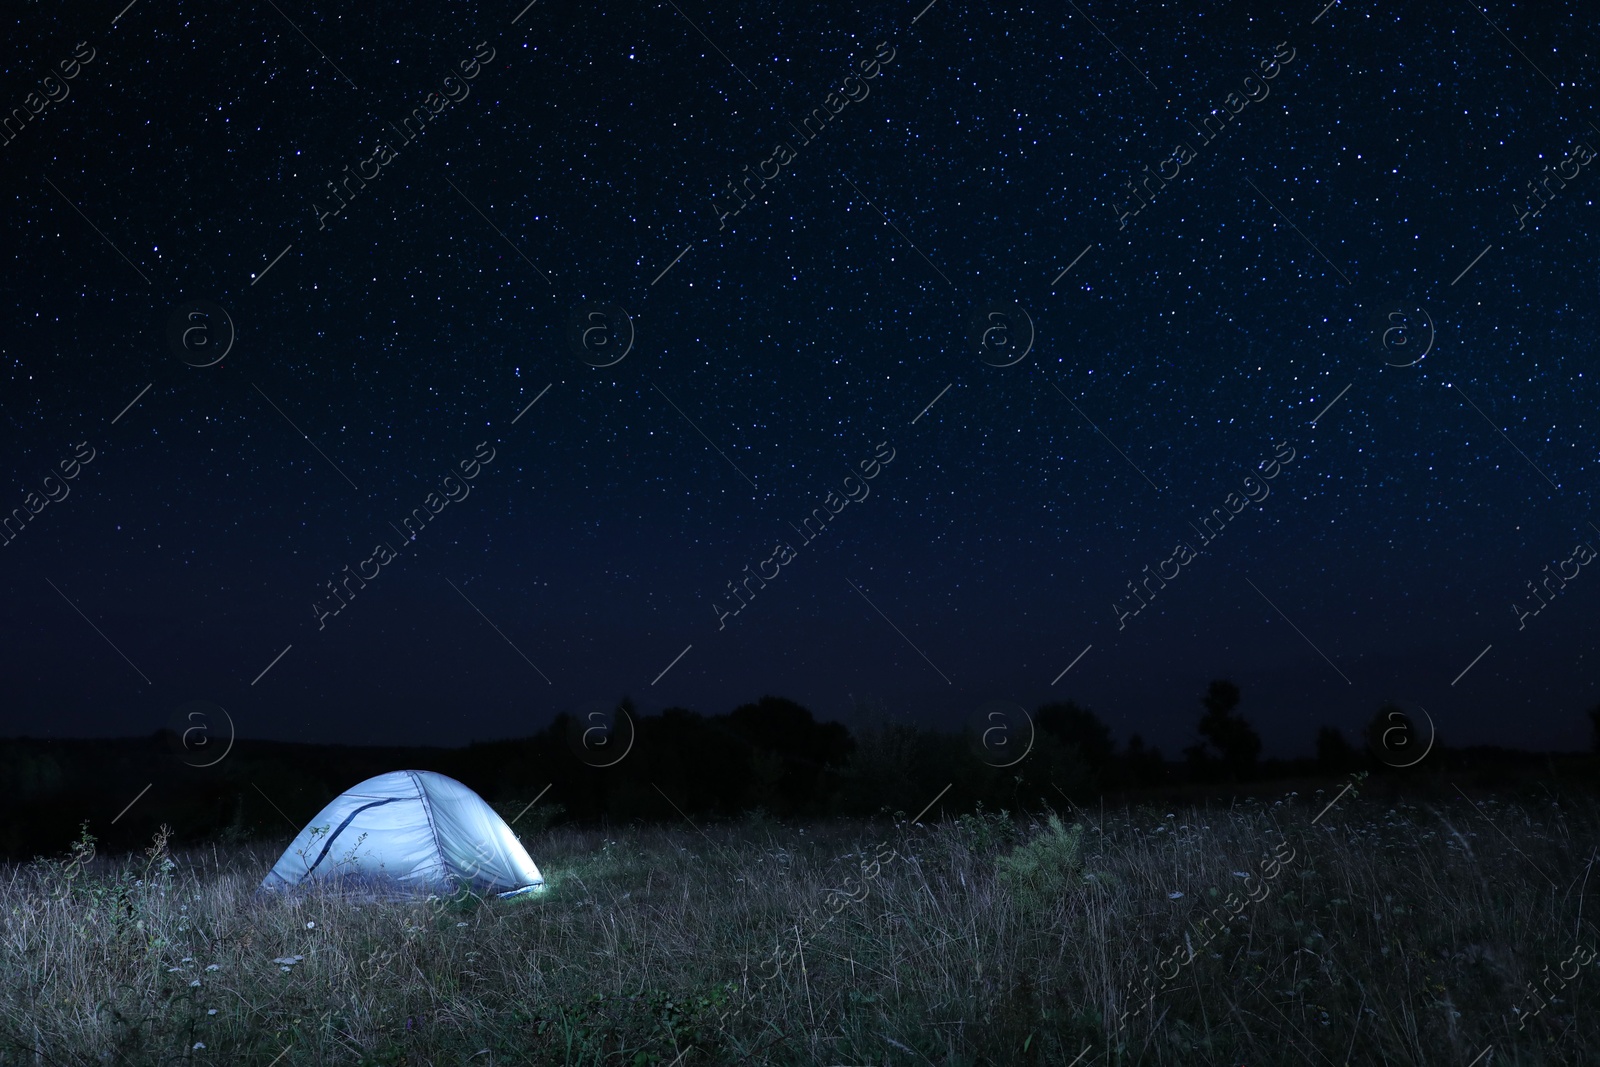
[(407, 834)]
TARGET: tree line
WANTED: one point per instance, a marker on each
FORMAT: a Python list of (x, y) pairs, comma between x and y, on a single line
[(770, 756)]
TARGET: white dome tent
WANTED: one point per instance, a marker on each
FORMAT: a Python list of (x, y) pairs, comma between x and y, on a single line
[(407, 834)]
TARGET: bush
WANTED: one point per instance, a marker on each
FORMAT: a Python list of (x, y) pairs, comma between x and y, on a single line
[(985, 831), (1043, 870)]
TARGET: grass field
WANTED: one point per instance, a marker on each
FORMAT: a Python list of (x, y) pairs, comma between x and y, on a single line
[(1395, 932)]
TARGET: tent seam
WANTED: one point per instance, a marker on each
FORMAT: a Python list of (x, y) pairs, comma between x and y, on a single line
[(433, 827), (328, 844)]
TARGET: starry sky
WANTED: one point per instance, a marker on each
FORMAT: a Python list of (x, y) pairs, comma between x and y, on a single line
[(1355, 312)]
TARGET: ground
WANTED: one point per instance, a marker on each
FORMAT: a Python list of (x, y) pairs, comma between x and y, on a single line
[(1374, 931)]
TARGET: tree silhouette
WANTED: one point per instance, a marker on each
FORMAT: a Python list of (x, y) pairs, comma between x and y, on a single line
[(1073, 748), (1200, 760), (791, 750), (1594, 719), (1234, 739), (1392, 734), (1334, 753), (1144, 765), (1080, 727)]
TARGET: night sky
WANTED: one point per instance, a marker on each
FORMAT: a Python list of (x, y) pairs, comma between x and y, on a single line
[(546, 381)]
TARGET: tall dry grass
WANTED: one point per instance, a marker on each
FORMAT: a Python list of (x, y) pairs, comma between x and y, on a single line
[(1400, 934)]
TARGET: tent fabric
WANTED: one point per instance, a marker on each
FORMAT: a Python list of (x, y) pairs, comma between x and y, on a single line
[(407, 834)]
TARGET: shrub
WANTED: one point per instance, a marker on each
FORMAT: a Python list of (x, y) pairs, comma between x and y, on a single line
[(985, 831), (1044, 869)]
